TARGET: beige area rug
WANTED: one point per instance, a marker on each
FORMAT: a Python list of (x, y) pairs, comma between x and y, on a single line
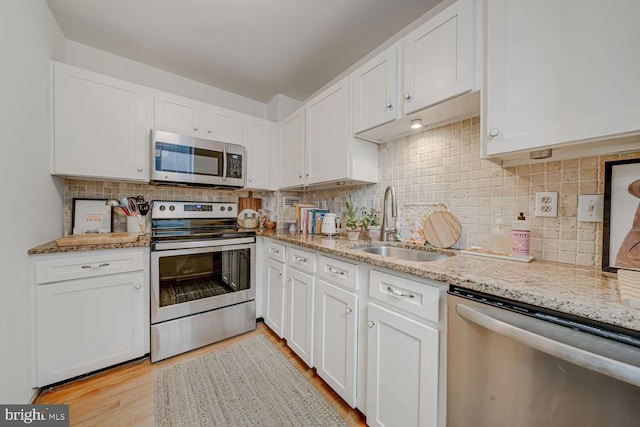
[(248, 384)]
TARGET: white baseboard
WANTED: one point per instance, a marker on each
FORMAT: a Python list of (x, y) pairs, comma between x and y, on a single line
[(31, 397)]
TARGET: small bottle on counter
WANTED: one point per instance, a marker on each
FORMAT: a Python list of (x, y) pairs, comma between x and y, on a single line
[(500, 237), (521, 237)]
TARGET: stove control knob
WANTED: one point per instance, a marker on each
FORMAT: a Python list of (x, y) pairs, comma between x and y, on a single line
[(162, 208), (221, 208), (229, 208), (172, 208)]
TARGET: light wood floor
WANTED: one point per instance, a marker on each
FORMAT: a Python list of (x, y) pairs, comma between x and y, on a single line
[(123, 396)]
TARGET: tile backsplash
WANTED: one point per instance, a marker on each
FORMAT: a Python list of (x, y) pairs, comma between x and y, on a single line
[(440, 165)]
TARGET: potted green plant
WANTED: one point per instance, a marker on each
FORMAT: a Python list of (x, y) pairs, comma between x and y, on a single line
[(371, 223), (352, 223)]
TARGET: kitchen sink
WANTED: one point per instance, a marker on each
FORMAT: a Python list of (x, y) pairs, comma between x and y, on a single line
[(406, 254)]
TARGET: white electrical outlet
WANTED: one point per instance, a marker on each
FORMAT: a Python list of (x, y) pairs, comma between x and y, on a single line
[(547, 204)]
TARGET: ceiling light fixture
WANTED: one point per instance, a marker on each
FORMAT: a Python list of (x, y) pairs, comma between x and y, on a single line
[(416, 124)]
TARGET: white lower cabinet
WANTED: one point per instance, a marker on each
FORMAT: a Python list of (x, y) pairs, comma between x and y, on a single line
[(273, 294), (95, 319), (336, 339), (299, 314), (402, 365)]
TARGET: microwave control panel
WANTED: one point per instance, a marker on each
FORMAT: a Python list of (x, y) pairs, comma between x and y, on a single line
[(234, 165)]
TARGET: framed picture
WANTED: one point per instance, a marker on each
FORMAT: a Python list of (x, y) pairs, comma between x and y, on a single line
[(91, 216), (621, 237)]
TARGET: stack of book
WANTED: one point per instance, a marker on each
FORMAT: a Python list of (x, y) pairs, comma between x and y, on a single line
[(309, 218)]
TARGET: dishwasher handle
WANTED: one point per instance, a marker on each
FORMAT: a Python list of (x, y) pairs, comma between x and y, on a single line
[(607, 359)]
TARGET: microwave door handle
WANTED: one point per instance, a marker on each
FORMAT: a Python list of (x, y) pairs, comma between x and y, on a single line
[(224, 163)]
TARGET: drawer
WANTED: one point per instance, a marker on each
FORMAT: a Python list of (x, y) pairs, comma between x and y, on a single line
[(274, 250), (406, 295), (339, 272), (302, 260), (69, 267)]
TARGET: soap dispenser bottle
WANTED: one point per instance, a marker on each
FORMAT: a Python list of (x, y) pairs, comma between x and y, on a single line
[(520, 237)]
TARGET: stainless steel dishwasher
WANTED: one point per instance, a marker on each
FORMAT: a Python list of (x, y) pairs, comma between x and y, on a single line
[(515, 365)]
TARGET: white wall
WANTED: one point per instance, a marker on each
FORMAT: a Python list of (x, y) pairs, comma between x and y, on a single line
[(103, 62), (32, 208)]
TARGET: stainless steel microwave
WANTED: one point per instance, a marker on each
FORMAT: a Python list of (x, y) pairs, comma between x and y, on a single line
[(183, 159)]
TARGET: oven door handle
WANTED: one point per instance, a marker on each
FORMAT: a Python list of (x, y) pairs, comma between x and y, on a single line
[(163, 246), (580, 348)]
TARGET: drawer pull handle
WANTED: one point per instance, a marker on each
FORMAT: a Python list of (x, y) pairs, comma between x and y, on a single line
[(86, 266), (370, 323), (334, 271), (274, 251), (349, 310), (105, 264), (301, 259), (399, 294)]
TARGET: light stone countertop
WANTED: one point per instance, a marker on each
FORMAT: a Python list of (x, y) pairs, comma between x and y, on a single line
[(582, 291), (52, 248)]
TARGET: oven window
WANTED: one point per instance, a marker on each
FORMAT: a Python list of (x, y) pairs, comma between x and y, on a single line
[(192, 277)]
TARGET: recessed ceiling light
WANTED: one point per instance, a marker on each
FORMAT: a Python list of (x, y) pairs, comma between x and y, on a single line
[(416, 124)]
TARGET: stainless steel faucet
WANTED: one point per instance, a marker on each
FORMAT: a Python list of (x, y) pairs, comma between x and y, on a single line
[(386, 230)]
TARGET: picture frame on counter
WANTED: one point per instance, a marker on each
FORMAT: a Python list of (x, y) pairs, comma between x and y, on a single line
[(621, 226), (91, 216)]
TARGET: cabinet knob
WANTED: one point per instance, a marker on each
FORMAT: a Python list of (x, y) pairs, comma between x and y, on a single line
[(407, 96), (494, 132), (250, 179), (370, 323), (140, 169), (300, 176), (307, 175), (195, 128), (349, 310), (389, 104), (209, 131), (138, 285)]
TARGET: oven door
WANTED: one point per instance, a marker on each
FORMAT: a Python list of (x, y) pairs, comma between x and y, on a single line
[(195, 280)]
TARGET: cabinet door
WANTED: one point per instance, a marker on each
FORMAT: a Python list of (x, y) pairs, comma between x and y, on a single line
[(560, 72), (299, 316), (274, 296), (329, 134), (220, 124), (257, 141), (374, 91), (439, 58), (402, 370), (336, 325), (89, 324), (292, 150), (101, 125), (177, 114)]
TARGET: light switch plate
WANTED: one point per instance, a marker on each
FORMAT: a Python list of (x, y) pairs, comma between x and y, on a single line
[(590, 208)]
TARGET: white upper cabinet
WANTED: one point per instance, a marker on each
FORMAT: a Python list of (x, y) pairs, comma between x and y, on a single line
[(177, 114), (186, 116), (562, 75), (292, 149), (374, 91), (100, 125), (317, 147), (328, 134), (221, 124), (430, 75), (258, 137), (438, 60)]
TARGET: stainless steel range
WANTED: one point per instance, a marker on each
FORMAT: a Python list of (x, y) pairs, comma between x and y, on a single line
[(202, 276)]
